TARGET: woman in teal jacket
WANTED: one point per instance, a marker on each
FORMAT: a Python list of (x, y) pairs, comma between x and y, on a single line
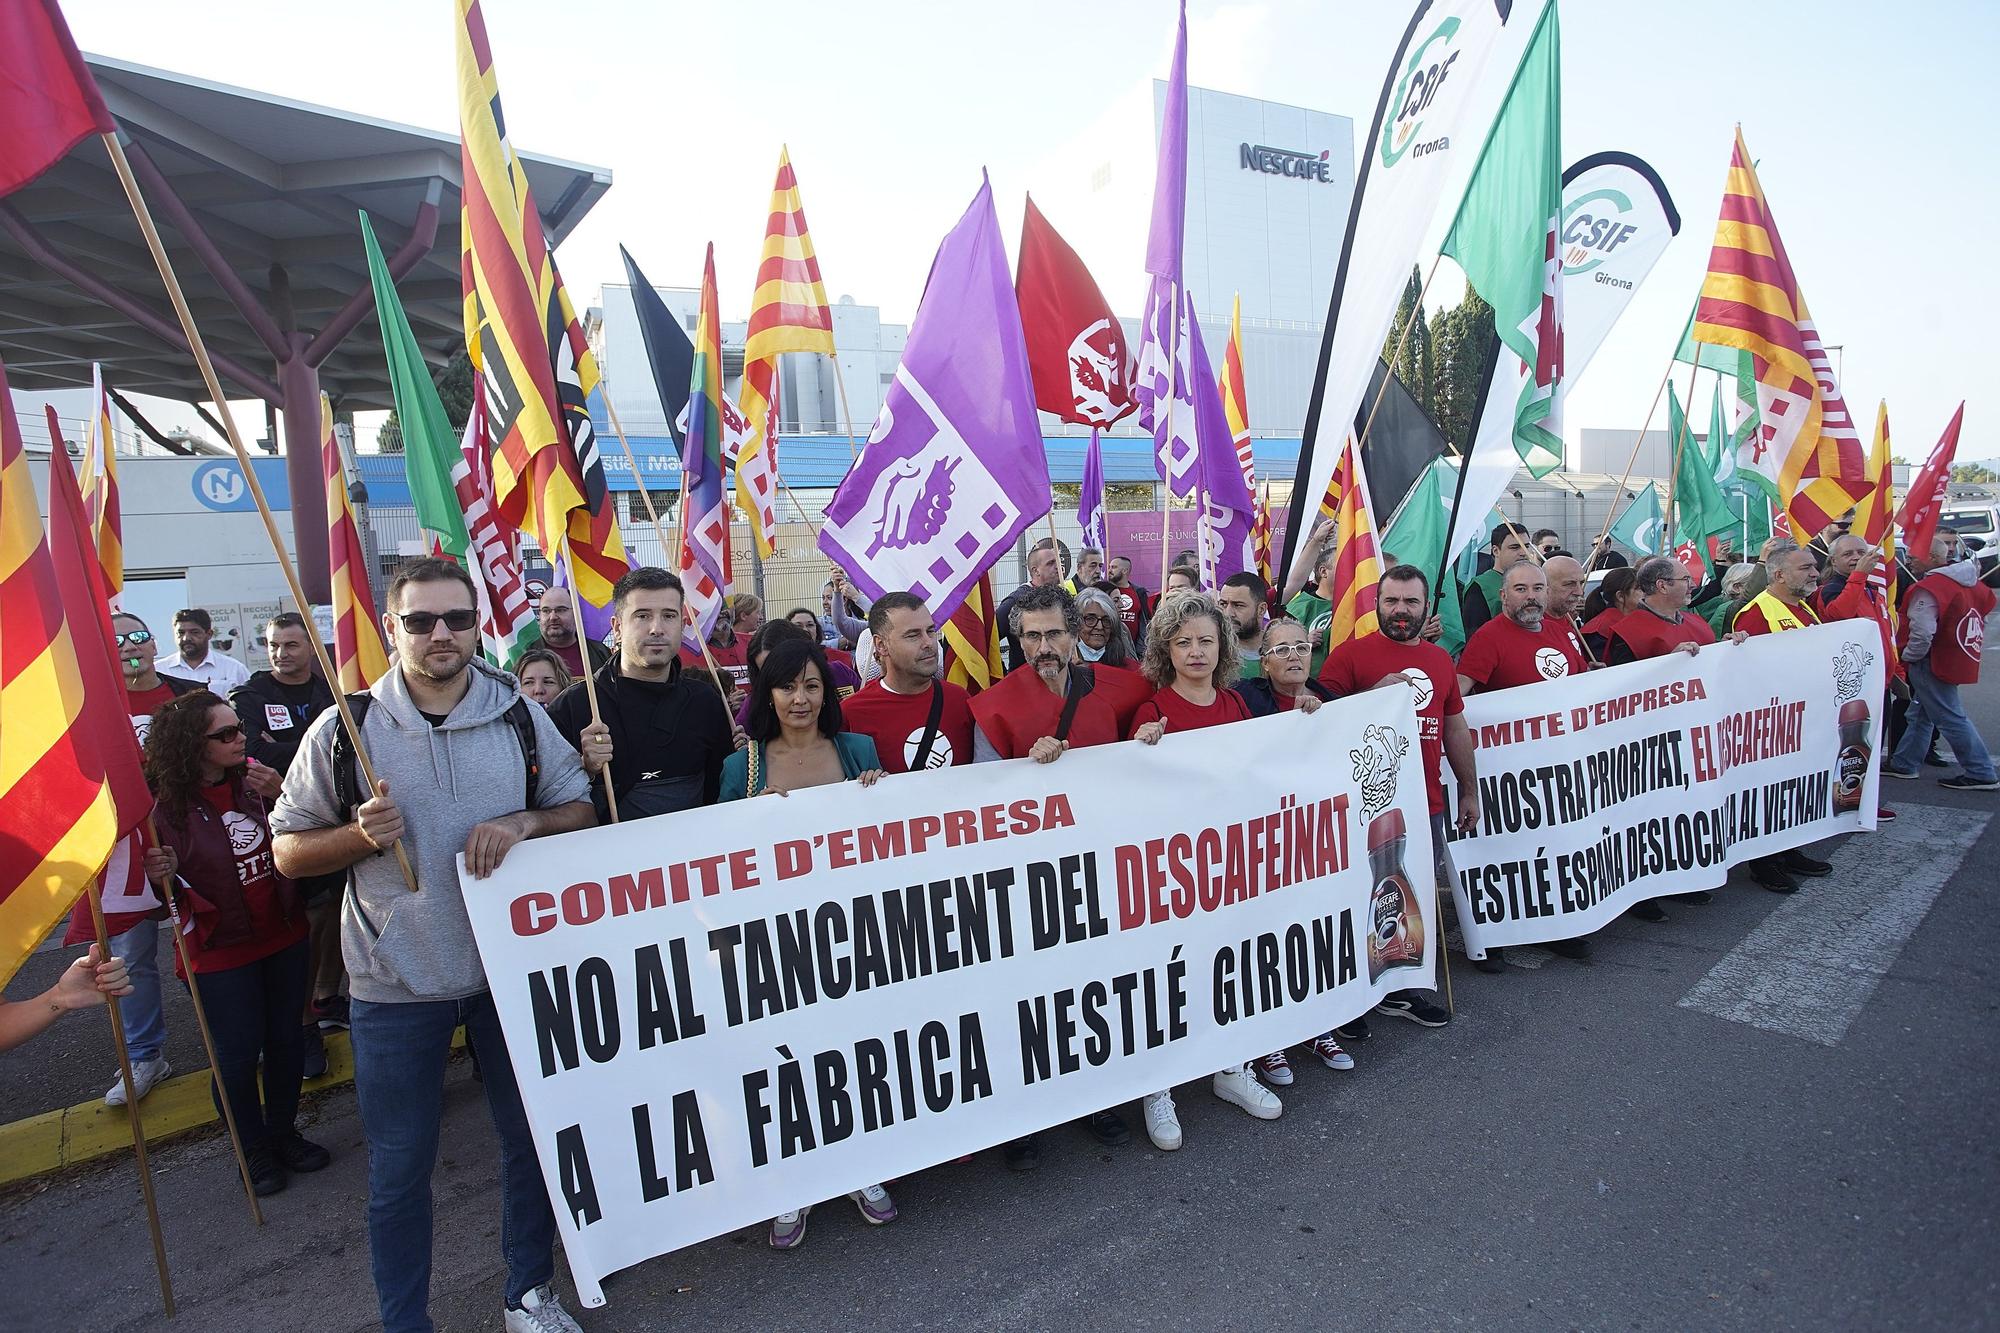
[(796, 742)]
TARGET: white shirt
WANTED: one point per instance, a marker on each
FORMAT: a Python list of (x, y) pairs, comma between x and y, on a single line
[(218, 671)]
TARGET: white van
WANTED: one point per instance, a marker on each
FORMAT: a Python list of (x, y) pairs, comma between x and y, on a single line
[(1976, 520)]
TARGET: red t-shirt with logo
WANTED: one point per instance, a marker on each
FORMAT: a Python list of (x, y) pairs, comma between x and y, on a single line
[(730, 659), (1501, 655), (142, 704), (1360, 664), (895, 722), (1126, 600), (257, 878), (1182, 714)]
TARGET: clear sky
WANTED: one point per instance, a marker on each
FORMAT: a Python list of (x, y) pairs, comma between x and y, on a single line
[(1873, 124)]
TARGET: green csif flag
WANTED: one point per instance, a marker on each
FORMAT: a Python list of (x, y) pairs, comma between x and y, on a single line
[(430, 447), (1638, 528), (1505, 238), (1700, 511)]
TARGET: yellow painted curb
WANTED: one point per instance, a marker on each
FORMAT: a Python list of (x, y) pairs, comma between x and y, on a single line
[(83, 1133)]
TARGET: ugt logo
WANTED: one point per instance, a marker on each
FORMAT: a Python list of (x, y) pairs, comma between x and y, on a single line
[(1422, 78)]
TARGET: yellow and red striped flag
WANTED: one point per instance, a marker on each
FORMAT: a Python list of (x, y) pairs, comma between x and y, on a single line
[(1874, 523), (972, 640), (70, 785), (1805, 450), (506, 272), (788, 314), (1236, 407), (100, 488), (1358, 562), (358, 656)]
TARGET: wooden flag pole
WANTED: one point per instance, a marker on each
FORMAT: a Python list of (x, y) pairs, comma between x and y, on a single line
[(1611, 511), (1667, 541), (172, 281), (589, 675), (1394, 356), (846, 417), (93, 892), (1167, 483), (208, 1042)]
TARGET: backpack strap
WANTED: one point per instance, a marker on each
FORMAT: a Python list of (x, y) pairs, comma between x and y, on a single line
[(929, 738), (523, 723), (346, 779), (1081, 682)]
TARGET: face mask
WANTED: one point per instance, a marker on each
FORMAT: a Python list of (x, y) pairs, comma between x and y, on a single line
[(1088, 653)]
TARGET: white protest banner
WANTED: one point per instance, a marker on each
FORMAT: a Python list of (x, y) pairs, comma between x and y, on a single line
[(719, 1015), (1603, 790)]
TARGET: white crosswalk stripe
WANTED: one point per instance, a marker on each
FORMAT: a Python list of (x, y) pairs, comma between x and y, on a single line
[(1809, 968)]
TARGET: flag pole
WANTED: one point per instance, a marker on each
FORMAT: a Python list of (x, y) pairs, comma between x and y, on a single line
[(1611, 510), (1167, 482), (172, 282), (93, 891), (1668, 539), (846, 417), (589, 675), (207, 1040)]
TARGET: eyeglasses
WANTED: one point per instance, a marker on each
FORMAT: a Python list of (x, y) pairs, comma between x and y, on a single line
[(457, 620), (227, 736), (130, 637), (1288, 650), (1099, 621)]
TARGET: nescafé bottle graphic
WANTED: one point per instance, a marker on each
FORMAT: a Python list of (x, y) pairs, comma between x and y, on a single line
[(1395, 918), (1850, 768)]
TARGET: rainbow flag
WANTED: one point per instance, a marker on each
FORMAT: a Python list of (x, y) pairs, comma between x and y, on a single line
[(788, 314), (100, 488), (704, 558), (972, 640), (1805, 451), (1358, 565), (358, 656)]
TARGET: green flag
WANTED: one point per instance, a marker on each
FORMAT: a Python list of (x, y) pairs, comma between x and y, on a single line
[(1638, 528), (1505, 238), (1708, 356), (1700, 512), (430, 447)]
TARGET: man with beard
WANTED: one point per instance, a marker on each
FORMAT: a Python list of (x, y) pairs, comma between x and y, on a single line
[(1523, 645), (663, 733), (448, 736), (1089, 569), (1037, 711), (1242, 599), (1400, 655), (1129, 598), (1044, 571), (556, 614), (1482, 596), (917, 719)]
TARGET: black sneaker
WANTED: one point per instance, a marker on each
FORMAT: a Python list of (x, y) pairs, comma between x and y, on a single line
[(1698, 897), (1801, 864), (315, 1052), (1576, 948), (331, 1013), (1022, 1154), (300, 1155), (1492, 962), (1354, 1029), (1108, 1128), (267, 1173), (1773, 876), (1415, 1007), (1966, 782), (1934, 759), (1649, 911)]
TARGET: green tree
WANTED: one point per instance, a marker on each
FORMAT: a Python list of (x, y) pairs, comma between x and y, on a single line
[(1973, 474), (454, 386), (1414, 363), (1462, 346)]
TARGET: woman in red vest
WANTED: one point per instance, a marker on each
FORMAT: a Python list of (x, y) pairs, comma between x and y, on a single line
[(1609, 602)]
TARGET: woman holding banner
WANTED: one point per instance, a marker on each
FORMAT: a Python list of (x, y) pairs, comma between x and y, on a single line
[(796, 742), (1191, 660)]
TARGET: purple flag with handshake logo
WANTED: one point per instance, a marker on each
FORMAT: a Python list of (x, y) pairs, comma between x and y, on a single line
[(1227, 512), (954, 469)]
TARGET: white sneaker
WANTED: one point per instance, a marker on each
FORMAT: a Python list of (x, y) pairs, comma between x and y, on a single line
[(145, 1073), (1163, 1127), (1276, 1069), (875, 1204), (541, 1312), (1240, 1087)]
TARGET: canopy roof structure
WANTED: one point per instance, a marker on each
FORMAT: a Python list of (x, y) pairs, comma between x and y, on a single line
[(257, 198)]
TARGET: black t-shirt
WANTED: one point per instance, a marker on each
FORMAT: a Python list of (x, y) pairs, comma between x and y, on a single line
[(435, 719)]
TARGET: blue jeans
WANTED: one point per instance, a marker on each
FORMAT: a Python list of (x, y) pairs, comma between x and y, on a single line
[(144, 1018), (1935, 706), (399, 1059)]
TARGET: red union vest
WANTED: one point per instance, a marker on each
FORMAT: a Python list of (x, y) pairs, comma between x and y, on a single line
[(1961, 627)]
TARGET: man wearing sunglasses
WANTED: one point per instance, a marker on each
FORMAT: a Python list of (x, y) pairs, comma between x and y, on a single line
[(445, 732), (145, 687)]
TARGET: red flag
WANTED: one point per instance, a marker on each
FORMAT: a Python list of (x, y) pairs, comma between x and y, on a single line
[(48, 100), (1923, 503), (1076, 347)]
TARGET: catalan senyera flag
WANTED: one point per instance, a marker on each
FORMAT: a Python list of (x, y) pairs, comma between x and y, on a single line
[(704, 553), (596, 546), (1807, 451), (1236, 407), (100, 488), (504, 265), (1358, 563), (788, 314), (1874, 523), (972, 640), (70, 784), (358, 656)]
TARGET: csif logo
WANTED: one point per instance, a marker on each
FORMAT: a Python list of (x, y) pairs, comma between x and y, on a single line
[(1425, 74), (1593, 226)]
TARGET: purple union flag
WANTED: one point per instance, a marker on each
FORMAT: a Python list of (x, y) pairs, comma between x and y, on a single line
[(954, 470)]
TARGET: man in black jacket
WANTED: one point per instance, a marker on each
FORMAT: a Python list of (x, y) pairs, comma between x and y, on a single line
[(662, 735)]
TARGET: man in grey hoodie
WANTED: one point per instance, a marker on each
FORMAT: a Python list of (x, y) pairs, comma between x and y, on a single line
[(439, 735)]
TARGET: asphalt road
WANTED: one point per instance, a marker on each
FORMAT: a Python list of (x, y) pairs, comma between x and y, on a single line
[(1643, 1140)]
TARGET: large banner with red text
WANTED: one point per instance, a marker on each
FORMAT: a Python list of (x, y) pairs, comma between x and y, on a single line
[(1600, 791), (721, 1015)]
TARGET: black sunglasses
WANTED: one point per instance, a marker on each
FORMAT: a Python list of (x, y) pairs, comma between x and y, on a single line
[(131, 637), (227, 735), (457, 620)]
